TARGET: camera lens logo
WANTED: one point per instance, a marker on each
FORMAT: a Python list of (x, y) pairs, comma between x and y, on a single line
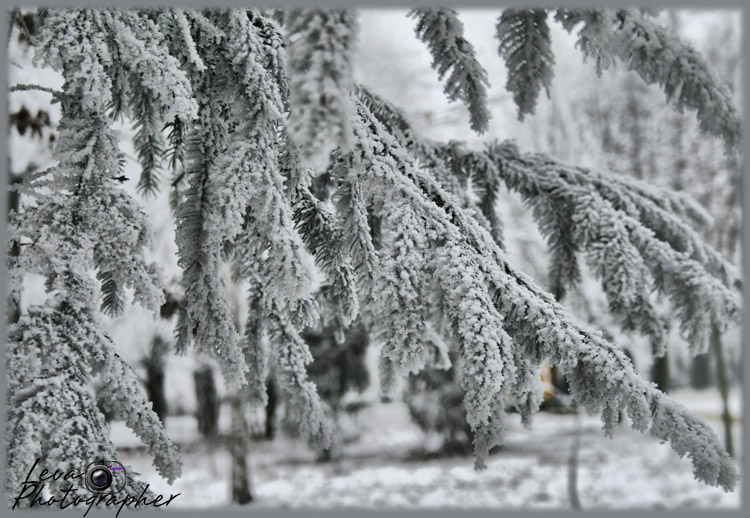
[(105, 477)]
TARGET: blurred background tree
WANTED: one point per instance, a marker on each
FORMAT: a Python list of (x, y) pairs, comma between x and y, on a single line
[(340, 375)]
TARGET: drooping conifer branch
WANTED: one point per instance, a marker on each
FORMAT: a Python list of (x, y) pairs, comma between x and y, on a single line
[(525, 46), (612, 220), (81, 221), (602, 378), (320, 46), (658, 58), (453, 56)]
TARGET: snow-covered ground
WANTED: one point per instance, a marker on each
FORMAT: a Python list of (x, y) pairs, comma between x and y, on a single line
[(391, 466)]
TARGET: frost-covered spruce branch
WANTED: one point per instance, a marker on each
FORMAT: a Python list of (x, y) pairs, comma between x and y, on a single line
[(634, 235), (80, 221), (629, 35), (320, 44), (453, 56), (318, 225), (484, 178), (237, 205), (632, 242), (605, 35), (602, 378), (53, 355), (525, 46)]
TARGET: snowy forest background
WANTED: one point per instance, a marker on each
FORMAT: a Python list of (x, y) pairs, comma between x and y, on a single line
[(414, 452)]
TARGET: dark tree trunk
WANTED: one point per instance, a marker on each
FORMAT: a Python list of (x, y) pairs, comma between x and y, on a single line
[(559, 380), (333, 453), (271, 409), (14, 310), (207, 411), (155, 388), (629, 354), (575, 502), (239, 443), (700, 371), (721, 378), (154, 365), (660, 372)]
